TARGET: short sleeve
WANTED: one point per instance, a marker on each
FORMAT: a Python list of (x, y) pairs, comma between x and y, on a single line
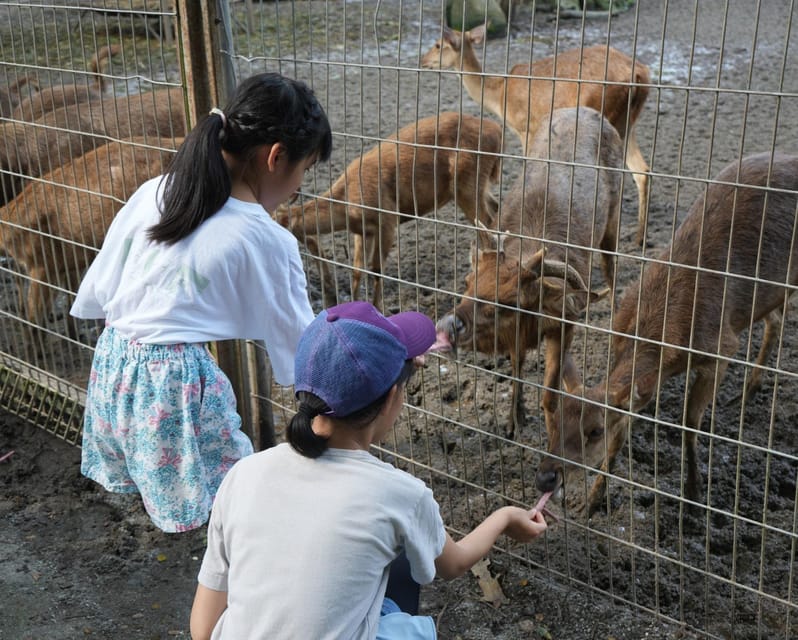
[(215, 565), (425, 538)]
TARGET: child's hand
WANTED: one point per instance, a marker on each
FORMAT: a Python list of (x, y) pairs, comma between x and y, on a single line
[(524, 525)]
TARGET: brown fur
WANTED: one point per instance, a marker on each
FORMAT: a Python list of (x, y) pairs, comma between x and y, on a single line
[(11, 94), (433, 163), (562, 204), (52, 228), (48, 99), (695, 315), (34, 149), (608, 81)]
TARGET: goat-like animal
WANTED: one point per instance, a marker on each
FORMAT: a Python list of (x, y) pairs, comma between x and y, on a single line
[(423, 166), (727, 268), (599, 77), (530, 284)]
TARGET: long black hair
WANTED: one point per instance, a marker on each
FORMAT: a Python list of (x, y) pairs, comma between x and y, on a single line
[(304, 440), (265, 109)]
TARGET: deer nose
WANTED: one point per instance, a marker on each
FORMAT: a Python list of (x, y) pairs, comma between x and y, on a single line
[(546, 480), (450, 325)]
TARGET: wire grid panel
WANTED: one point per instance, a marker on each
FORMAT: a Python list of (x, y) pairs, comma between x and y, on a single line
[(92, 107), (720, 87)]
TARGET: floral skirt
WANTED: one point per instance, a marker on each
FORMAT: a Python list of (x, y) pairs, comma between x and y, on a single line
[(161, 420)]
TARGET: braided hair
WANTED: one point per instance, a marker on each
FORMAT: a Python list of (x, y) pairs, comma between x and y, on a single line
[(265, 109)]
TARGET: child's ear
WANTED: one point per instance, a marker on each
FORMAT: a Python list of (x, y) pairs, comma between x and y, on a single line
[(274, 155), (396, 394)]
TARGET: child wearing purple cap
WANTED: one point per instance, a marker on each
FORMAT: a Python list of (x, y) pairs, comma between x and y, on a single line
[(303, 536)]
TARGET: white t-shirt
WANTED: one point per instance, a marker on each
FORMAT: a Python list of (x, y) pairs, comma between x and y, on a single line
[(303, 546), (239, 275)]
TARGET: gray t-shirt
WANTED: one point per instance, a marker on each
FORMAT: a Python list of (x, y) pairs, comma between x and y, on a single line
[(303, 546)]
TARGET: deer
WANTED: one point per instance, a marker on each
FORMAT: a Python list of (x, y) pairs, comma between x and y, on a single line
[(426, 164), (50, 98), (600, 77), (53, 229), (36, 148), (530, 279), (733, 262)]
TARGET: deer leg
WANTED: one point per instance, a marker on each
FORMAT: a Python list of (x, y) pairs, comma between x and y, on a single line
[(328, 285), (597, 490), (517, 409), (639, 168), (379, 255), (700, 394), (490, 207), (358, 259), (770, 336), (39, 298), (487, 208), (560, 371), (609, 244)]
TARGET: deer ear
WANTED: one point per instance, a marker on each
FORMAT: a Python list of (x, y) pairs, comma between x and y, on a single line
[(619, 397), (477, 34), (451, 36), (534, 264)]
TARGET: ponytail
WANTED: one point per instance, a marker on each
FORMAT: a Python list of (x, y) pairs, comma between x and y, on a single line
[(304, 440), (192, 197), (300, 434)]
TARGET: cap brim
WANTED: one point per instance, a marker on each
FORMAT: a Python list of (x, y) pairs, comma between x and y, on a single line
[(418, 330)]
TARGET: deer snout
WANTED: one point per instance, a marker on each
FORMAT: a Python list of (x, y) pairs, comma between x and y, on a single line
[(448, 329), (549, 475)]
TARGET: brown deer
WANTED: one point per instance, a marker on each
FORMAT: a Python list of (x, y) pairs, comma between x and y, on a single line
[(534, 282), (53, 228), (423, 166), (727, 268), (48, 99), (34, 149), (599, 77)]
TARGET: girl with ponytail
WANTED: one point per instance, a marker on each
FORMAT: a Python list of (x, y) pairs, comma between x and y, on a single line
[(193, 257)]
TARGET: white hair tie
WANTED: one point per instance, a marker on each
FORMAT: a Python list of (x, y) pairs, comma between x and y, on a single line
[(217, 111)]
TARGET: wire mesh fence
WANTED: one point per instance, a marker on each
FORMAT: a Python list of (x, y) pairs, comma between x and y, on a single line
[(703, 537)]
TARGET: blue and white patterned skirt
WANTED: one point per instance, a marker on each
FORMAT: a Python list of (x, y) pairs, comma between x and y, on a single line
[(161, 420)]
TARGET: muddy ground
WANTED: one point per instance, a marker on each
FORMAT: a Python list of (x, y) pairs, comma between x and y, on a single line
[(78, 562)]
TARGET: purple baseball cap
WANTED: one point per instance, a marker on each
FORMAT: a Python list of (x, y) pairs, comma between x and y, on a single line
[(351, 354)]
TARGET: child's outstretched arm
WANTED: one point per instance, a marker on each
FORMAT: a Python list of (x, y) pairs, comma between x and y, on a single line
[(205, 612), (458, 557)]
